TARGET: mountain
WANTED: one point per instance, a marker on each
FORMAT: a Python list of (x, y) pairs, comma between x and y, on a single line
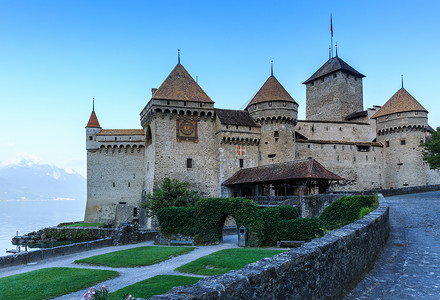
[(30, 181)]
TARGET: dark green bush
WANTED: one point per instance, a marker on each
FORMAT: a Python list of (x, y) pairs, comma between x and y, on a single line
[(302, 229), (177, 220), (346, 210), (268, 219)]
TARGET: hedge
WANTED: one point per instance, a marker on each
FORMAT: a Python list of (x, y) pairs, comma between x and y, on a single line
[(346, 210), (304, 229), (268, 219), (177, 220)]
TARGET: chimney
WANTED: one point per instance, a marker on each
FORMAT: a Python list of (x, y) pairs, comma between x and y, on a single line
[(153, 90)]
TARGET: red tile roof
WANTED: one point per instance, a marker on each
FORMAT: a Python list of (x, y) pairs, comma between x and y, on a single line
[(298, 169), (272, 90), (401, 101), (179, 85), (121, 132), (93, 121)]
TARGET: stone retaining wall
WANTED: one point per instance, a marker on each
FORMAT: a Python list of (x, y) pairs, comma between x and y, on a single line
[(322, 269), (311, 206), (33, 256), (411, 190)]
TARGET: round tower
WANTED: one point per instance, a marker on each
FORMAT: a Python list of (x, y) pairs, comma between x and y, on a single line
[(92, 129), (401, 125), (276, 111)]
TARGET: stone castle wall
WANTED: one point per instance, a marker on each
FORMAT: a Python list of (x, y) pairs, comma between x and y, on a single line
[(114, 174), (337, 131), (333, 97), (361, 170)]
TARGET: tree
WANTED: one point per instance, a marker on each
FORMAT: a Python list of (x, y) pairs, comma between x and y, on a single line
[(432, 150), (172, 192)]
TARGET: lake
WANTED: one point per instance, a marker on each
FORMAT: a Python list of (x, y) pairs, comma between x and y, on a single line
[(27, 216)]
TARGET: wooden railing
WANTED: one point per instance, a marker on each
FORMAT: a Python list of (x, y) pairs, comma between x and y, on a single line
[(270, 201)]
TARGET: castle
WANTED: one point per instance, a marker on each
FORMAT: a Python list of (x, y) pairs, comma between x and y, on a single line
[(263, 150)]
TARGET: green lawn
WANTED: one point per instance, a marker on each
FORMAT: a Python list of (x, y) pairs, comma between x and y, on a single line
[(156, 285), (135, 257), (50, 282), (225, 260), (82, 224)]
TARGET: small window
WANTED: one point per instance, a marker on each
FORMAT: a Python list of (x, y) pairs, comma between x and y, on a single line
[(421, 141), (184, 103), (337, 158), (340, 128), (322, 79), (241, 162), (201, 104), (114, 184), (259, 156), (116, 138), (334, 147), (348, 76), (387, 143), (284, 103), (271, 155), (355, 78), (375, 159), (250, 128), (308, 146), (90, 138), (135, 212), (366, 157), (312, 83), (402, 142), (416, 113), (354, 158), (398, 114), (276, 134), (189, 163), (343, 147), (351, 147), (227, 126), (236, 126), (129, 184), (322, 146), (178, 75), (270, 104), (168, 102), (334, 75)]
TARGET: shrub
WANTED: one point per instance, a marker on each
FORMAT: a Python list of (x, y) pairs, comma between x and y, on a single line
[(177, 220), (303, 229), (346, 210), (172, 192), (365, 211), (267, 222)]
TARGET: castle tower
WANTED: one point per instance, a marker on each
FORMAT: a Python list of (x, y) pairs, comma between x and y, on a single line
[(276, 111), (92, 129), (401, 125), (179, 127), (333, 92)]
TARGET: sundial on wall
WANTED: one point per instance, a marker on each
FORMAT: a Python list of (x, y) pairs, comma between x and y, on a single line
[(186, 130)]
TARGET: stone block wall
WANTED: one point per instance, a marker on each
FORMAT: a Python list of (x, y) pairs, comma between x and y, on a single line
[(337, 131), (321, 269)]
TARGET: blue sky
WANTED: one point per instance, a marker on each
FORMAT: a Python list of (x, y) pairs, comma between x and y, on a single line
[(55, 56)]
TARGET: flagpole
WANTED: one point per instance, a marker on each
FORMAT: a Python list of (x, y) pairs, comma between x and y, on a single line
[(331, 31)]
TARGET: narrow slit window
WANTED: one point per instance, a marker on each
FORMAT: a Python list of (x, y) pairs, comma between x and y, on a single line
[(241, 162), (189, 163)]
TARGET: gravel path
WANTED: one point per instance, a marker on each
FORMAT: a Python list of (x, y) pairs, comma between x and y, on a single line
[(409, 267), (127, 276)]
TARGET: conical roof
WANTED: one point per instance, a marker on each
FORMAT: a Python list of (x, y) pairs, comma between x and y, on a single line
[(401, 101), (93, 121), (331, 66), (179, 85), (272, 90)]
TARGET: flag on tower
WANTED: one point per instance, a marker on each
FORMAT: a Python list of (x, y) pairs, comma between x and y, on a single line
[(331, 24)]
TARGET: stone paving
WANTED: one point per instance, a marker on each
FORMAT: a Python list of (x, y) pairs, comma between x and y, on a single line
[(409, 267)]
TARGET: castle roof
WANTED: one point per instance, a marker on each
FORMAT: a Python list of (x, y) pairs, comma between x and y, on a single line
[(401, 101), (235, 117), (93, 121), (298, 169), (331, 66), (121, 132), (272, 90), (179, 85)]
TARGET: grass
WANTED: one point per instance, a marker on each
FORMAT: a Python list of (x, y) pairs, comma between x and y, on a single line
[(156, 285), (50, 282), (225, 260), (82, 224), (135, 257)]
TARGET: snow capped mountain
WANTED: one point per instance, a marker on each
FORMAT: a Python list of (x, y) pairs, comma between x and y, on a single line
[(29, 180)]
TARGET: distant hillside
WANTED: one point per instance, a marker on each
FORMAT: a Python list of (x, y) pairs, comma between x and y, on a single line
[(30, 181)]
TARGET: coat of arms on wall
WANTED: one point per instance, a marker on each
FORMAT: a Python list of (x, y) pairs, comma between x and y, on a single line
[(186, 131)]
